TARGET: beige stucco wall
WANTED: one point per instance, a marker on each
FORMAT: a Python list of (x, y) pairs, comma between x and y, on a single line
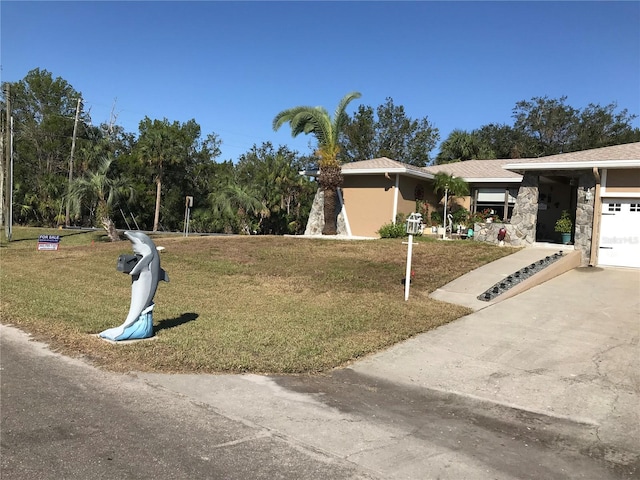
[(623, 181), (369, 199)]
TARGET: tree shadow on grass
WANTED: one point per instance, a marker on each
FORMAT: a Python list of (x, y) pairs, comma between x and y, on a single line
[(175, 322)]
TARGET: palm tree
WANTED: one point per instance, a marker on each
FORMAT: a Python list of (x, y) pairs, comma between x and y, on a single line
[(236, 202), (451, 186), (97, 190), (316, 120), (153, 150)]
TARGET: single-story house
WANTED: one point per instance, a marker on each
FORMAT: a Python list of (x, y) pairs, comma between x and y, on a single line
[(374, 192), (600, 188)]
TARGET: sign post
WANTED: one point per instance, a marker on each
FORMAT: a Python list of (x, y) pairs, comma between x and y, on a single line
[(414, 222), (187, 214)]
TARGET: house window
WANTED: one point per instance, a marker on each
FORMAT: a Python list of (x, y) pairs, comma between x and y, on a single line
[(500, 200), (614, 207), (634, 207)]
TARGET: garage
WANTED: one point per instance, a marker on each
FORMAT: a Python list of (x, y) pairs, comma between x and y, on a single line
[(620, 232)]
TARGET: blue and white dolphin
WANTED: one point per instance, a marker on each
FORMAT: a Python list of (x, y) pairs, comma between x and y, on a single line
[(145, 276)]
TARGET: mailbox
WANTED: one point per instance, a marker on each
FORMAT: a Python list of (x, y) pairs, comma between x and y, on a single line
[(127, 262), (414, 224)]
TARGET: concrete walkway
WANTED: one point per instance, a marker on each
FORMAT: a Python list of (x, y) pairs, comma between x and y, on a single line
[(465, 289)]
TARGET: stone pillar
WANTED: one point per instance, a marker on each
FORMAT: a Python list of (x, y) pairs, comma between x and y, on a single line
[(583, 229), (315, 223), (525, 211)]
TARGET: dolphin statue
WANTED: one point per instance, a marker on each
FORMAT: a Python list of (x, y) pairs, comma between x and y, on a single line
[(145, 276)]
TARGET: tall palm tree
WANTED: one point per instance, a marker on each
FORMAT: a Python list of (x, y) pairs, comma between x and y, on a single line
[(98, 190), (154, 150), (316, 121)]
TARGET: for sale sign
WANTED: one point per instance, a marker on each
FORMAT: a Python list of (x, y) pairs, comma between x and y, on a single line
[(48, 242)]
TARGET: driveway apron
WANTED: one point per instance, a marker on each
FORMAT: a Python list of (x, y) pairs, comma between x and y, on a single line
[(567, 348)]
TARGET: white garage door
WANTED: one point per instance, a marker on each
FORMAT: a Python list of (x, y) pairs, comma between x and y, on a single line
[(620, 232)]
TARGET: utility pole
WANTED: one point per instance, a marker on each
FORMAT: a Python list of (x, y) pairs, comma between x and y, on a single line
[(2, 170), (67, 217), (7, 168), (10, 179)]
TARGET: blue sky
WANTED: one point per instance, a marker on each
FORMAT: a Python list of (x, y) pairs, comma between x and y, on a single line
[(232, 66)]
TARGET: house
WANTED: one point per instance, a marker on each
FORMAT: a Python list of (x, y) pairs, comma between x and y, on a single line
[(374, 192), (600, 188)]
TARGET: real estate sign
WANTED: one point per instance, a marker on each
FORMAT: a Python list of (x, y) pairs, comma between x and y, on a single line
[(48, 242)]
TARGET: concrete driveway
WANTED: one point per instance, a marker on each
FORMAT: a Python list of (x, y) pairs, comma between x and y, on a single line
[(567, 348), (542, 385)]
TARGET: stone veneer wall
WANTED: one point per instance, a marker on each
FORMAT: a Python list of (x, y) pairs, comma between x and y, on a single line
[(315, 223), (521, 231), (583, 229), (488, 232)]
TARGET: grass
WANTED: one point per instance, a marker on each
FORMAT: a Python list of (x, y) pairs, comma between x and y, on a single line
[(234, 304)]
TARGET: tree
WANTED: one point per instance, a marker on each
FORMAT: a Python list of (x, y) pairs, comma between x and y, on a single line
[(359, 137), (236, 204), (393, 134), (455, 186), (275, 177), (601, 127), (550, 124), (501, 141), (43, 108), (162, 144), (460, 146), (99, 192), (451, 187), (326, 130)]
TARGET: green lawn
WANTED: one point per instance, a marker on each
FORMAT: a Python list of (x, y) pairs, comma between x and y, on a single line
[(234, 304)]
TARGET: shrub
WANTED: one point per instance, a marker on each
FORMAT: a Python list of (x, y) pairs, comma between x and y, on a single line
[(393, 230), (461, 216)]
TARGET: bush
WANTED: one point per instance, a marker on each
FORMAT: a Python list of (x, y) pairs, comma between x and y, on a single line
[(393, 230), (461, 216)]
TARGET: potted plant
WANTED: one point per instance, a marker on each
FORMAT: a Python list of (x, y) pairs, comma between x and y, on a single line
[(564, 226)]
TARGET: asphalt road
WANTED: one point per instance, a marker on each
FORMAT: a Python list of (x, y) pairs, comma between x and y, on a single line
[(62, 418)]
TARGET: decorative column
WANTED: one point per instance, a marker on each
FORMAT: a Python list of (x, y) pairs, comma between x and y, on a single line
[(584, 216), (525, 211)]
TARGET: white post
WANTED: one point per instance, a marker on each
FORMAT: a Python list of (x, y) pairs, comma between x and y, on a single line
[(188, 215), (396, 193), (407, 276), (446, 199)]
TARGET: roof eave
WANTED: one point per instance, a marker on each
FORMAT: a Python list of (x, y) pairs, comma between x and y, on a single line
[(493, 180), (382, 171), (523, 167)]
